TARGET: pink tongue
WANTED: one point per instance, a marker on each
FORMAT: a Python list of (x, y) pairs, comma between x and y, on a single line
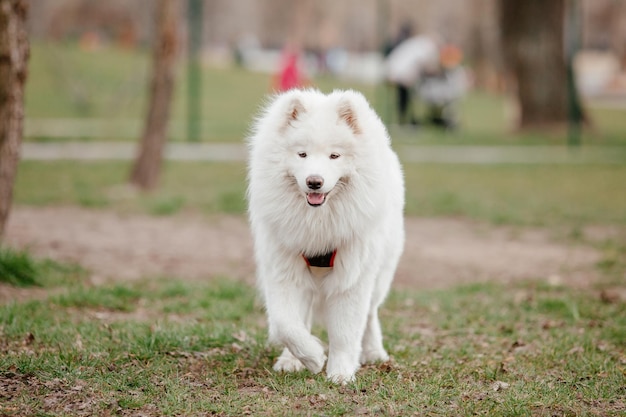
[(315, 198)]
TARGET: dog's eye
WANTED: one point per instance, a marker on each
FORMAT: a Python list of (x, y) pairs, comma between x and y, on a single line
[(302, 154), (334, 155)]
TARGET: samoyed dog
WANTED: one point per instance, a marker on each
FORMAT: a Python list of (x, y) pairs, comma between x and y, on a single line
[(326, 200)]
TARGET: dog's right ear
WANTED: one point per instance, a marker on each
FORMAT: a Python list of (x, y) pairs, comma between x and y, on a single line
[(295, 110)]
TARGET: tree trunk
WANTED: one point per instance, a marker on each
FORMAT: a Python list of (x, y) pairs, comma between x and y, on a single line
[(533, 48), (14, 53), (147, 167)]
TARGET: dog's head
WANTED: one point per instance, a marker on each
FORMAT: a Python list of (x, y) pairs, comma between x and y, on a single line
[(322, 134)]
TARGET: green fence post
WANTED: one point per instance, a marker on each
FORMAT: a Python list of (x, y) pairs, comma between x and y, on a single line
[(194, 76), (572, 45)]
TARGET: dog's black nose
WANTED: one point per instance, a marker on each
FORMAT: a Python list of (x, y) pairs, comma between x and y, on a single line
[(314, 182)]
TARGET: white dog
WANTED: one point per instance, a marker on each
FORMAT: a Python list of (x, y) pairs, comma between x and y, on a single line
[(326, 199)]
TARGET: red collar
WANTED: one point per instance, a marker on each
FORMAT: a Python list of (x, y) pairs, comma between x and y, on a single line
[(326, 260)]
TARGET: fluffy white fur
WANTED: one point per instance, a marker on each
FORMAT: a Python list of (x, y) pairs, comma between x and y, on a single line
[(340, 139)]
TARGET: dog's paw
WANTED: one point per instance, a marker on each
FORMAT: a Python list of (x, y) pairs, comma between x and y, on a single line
[(341, 379), (370, 356), (310, 354), (288, 363), (314, 363), (341, 368)]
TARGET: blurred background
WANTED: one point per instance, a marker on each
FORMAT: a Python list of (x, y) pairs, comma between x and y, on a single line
[(504, 113), (90, 64)]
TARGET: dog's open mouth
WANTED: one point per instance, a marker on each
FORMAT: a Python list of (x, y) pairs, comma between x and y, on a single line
[(315, 199)]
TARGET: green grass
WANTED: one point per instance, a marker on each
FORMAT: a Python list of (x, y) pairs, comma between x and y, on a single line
[(111, 84), (17, 268), (168, 347), (66, 82), (204, 186), (536, 195), (20, 269)]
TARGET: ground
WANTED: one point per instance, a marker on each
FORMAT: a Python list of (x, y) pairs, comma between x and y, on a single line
[(539, 349), (440, 252)]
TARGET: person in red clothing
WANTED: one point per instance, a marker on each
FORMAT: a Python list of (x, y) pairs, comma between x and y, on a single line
[(290, 76)]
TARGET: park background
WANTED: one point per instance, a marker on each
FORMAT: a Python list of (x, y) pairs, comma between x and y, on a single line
[(68, 36), (510, 298)]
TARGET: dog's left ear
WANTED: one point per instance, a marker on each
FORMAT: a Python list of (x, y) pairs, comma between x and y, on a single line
[(348, 116)]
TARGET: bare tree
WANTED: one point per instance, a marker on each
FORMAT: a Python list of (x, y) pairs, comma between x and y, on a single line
[(14, 53), (147, 167), (533, 49)]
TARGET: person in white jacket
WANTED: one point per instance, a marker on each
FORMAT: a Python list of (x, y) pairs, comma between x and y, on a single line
[(404, 67)]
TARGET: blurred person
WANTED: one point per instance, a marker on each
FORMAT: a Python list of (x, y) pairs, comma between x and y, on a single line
[(405, 65), (290, 75)]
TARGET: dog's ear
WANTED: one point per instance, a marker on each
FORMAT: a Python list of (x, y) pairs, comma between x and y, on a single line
[(348, 116), (294, 111)]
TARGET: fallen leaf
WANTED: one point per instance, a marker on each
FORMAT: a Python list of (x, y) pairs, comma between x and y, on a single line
[(613, 295), (29, 339), (240, 336), (576, 349), (500, 386)]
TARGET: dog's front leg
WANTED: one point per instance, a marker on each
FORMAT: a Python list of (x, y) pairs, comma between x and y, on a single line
[(346, 320), (289, 315)]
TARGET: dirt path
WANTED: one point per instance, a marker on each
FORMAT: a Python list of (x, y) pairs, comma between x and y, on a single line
[(439, 252)]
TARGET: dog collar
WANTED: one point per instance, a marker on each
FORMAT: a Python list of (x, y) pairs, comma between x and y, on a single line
[(326, 260)]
